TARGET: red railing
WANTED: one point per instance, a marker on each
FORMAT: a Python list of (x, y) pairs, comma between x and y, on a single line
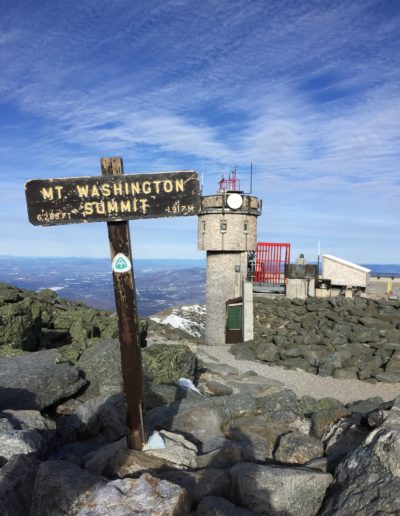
[(230, 184), (270, 262)]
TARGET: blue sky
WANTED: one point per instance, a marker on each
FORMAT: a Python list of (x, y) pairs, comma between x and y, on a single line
[(307, 91)]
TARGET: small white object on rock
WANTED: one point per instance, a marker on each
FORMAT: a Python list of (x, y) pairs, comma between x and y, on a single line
[(155, 442), (185, 383), (177, 450)]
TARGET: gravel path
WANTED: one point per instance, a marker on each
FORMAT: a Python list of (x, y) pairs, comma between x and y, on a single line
[(301, 382)]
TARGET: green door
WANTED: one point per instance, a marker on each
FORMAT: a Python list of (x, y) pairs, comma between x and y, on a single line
[(234, 317), (234, 324)]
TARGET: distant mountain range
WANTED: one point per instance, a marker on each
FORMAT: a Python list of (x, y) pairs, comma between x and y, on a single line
[(160, 284)]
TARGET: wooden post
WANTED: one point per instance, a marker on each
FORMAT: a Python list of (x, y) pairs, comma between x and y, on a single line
[(125, 299)]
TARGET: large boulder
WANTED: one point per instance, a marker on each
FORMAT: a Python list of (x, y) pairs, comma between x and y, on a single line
[(279, 490), (368, 480), (140, 496), (36, 381), (17, 479), (62, 488), (101, 365)]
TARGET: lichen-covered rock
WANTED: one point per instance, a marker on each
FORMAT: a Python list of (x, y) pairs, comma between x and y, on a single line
[(297, 448), (165, 364), (32, 321)]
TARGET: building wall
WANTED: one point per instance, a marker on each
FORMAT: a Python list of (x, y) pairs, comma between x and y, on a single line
[(345, 274), (223, 282), (240, 233)]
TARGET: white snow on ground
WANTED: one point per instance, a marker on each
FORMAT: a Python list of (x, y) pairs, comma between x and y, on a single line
[(51, 288), (187, 318)]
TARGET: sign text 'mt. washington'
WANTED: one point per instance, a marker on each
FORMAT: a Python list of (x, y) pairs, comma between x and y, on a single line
[(108, 198)]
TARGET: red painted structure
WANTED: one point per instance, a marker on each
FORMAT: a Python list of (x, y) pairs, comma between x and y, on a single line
[(232, 184), (270, 262)]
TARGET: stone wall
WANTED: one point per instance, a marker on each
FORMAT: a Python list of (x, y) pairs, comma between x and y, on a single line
[(339, 337)]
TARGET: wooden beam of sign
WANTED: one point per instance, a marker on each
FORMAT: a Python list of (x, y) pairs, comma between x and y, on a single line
[(112, 198)]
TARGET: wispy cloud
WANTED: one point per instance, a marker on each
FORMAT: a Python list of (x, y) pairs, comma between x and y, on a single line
[(308, 91)]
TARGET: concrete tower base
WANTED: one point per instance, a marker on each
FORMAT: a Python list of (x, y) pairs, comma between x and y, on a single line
[(225, 273)]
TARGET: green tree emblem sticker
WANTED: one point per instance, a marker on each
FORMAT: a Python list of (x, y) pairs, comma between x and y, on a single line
[(121, 263)]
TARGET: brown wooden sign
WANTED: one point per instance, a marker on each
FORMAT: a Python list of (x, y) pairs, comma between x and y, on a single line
[(112, 198), (115, 198)]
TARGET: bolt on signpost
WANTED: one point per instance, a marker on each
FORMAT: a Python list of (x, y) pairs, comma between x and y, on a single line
[(116, 198)]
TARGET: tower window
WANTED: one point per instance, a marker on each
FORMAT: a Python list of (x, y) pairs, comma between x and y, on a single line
[(223, 226), (245, 226), (204, 227)]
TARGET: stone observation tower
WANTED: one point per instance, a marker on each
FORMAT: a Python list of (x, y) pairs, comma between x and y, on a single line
[(227, 230)]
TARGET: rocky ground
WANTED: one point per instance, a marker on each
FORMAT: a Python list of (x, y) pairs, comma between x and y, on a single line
[(344, 338), (246, 444)]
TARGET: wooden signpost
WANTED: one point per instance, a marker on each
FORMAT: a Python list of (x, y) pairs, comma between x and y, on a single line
[(116, 198)]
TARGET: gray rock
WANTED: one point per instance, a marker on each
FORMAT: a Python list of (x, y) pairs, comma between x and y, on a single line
[(142, 496), (368, 480), (217, 506), (156, 395), (75, 452), (284, 399), (256, 435), (388, 377), (201, 419), (27, 420), (243, 351), (102, 366), (345, 435), (97, 460), (201, 483), (43, 382), (213, 388), (102, 418), (22, 442), (62, 488), (219, 453), (348, 373), (268, 352), (329, 411), (279, 490), (17, 478), (132, 463), (365, 406), (297, 448), (325, 464)]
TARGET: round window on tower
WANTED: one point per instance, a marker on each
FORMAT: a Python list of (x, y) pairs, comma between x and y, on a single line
[(234, 201)]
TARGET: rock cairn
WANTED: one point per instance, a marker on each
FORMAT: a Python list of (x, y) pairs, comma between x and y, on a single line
[(344, 338)]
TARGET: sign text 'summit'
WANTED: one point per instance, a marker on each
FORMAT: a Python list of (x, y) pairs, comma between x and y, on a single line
[(123, 197)]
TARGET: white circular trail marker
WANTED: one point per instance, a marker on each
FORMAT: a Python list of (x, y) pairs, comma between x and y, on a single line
[(121, 263)]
